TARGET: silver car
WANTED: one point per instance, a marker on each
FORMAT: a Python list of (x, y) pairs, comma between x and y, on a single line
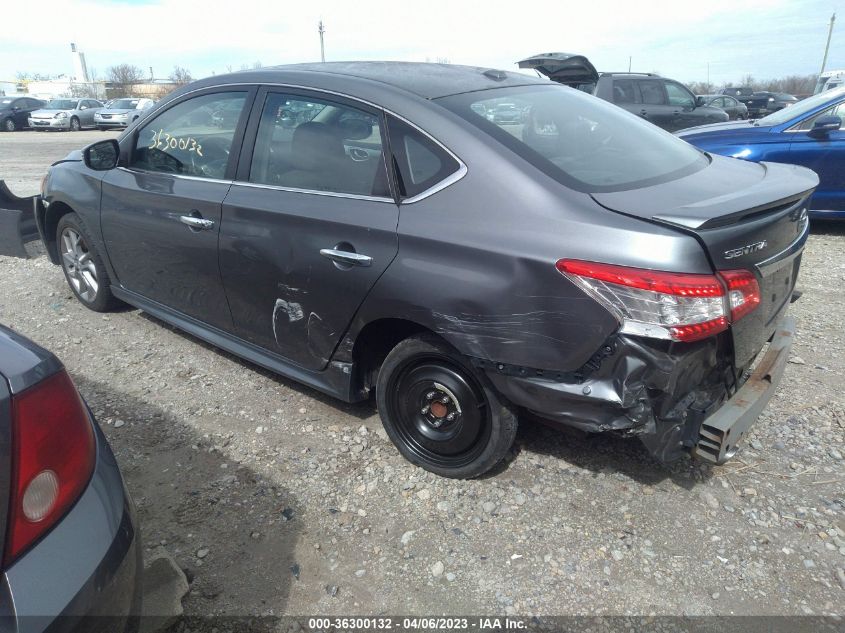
[(121, 112), (65, 114)]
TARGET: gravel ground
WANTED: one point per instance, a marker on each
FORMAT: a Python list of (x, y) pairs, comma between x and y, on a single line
[(278, 500)]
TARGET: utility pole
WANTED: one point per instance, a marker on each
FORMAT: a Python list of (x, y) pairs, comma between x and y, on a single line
[(321, 30), (629, 63), (827, 46), (708, 76)]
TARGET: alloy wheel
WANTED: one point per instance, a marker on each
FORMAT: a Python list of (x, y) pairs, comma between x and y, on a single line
[(79, 265), (9, 125)]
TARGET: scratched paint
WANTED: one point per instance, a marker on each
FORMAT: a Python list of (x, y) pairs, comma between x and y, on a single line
[(292, 309)]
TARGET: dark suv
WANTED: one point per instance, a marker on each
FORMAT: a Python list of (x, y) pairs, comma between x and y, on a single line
[(665, 102), (571, 259)]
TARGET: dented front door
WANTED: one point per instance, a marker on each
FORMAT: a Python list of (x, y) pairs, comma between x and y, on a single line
[(308, 227)]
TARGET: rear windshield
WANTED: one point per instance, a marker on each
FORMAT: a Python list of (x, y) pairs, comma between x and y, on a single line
[(584, 142), (61, 104), (124, 104)]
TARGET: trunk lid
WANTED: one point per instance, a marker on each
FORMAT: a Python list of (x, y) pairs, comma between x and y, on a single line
[(565, 68), (746, 216)]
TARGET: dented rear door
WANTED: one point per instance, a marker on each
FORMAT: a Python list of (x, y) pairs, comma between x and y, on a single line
[(308, 226)]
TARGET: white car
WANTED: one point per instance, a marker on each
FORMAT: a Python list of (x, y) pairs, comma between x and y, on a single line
[(65, 114), (121, 112)]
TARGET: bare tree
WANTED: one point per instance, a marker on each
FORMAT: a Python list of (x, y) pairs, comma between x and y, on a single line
[(181, 76), (124, 76), (84, 91)]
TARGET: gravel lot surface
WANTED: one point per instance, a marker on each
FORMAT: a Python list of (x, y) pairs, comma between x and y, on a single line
[(278, 500)]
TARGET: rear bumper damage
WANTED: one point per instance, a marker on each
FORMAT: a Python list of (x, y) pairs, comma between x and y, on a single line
[(17, 223), (676, 398), (721, 432)]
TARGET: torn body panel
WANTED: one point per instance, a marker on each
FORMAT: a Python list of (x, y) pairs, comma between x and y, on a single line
[(659, 391)]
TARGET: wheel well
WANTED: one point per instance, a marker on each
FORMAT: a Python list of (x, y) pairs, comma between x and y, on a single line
[(373, 344), (51, 222)]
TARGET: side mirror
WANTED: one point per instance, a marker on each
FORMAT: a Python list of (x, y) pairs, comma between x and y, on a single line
[(699, 101), (102, 155), (826, 124)]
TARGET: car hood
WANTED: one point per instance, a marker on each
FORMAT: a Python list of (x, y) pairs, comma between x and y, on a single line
[(721, 193), (564, 68), (115, 110), (38, 113)]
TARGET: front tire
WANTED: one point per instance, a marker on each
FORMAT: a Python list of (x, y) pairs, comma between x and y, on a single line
[(84, 269), (438, 411), (75, 125)]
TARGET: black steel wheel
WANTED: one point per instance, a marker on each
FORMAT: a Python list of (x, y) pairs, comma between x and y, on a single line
[(438, 411)]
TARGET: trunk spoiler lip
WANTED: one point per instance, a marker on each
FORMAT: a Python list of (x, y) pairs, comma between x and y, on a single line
[(696, 223)]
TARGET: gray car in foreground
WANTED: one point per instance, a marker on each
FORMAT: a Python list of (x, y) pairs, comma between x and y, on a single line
[(71, 546), (573, 261)]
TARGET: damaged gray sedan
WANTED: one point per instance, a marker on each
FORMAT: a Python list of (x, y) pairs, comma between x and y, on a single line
[(365, 227)]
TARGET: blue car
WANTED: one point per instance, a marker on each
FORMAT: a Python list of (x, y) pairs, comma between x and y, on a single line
[(808, 133)]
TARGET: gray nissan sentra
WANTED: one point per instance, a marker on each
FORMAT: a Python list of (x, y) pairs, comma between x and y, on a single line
[(578, 263), (71, 545)]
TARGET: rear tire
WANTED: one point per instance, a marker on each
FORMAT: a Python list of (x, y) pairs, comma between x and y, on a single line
[(83, 267), (9, 125), (439, 412)]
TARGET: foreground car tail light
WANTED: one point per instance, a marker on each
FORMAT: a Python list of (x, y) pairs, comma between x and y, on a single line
[(677, 306), (52, 460)]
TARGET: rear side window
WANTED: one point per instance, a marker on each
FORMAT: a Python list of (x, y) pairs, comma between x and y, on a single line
[(652, 92), (318, 145), (192, 138), (623, 91), (420, 162)]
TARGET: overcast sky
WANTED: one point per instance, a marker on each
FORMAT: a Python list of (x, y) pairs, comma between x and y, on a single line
[(765, 38)]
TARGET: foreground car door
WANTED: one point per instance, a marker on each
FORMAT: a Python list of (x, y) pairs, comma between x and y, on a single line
[(161, 212), (825, 155), (309, 225)]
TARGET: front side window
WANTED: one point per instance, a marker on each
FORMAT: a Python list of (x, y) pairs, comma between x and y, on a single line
[(678, 95), (587, 144), (192, 138), (807, 124), (420, 162), (801, 108), (317, 145), (652, 92)]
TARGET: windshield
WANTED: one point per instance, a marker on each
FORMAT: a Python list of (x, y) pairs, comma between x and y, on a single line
[(124, 104), (801, 107), (61, 104), (582, 141)]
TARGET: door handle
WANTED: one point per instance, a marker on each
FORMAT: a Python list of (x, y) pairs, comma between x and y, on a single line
[(644, 114), (345, 257), (194, 222)]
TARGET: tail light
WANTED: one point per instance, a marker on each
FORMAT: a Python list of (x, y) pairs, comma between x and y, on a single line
[(52, 460), (676, 306)]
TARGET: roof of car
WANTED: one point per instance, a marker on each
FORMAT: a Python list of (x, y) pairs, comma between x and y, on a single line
[(429, 81)]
